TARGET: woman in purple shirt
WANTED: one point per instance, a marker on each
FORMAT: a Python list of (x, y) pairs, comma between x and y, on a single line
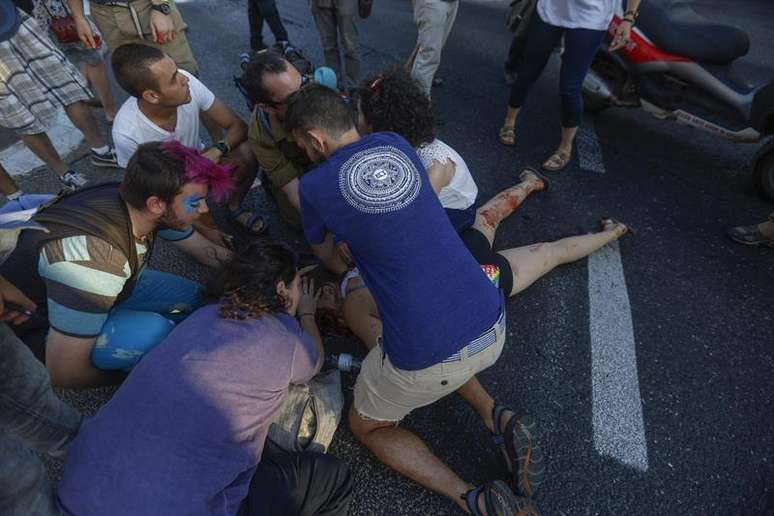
[(186, 433)]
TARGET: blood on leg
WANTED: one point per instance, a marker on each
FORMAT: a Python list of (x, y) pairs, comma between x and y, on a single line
[(490, 215)]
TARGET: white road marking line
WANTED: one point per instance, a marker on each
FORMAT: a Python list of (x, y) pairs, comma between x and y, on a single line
[(619, 431), (18, 159), (589, 151)]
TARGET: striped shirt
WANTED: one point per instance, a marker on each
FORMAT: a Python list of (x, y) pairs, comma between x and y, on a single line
[(84, 276)]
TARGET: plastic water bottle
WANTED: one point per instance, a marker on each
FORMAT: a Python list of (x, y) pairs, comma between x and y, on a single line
[(344, 362)]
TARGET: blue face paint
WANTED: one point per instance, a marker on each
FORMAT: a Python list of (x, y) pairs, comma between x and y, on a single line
[(192, 203)]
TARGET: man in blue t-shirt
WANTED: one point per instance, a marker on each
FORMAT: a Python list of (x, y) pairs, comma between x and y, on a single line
[(443, 320)]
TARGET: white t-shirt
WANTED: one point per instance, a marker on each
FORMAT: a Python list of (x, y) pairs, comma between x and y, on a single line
[(132, 128), (461, 191), (577, 14)]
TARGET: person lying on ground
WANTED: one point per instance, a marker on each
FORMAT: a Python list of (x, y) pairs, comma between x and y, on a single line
[(373, 193), (165, 104), (393, 102), (100, 306), (200, 406)]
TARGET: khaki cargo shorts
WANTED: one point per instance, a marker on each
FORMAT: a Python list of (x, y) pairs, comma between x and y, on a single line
[(118, 28), (385, 393)]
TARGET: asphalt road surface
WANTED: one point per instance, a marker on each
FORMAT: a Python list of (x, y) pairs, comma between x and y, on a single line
[(650, 367)]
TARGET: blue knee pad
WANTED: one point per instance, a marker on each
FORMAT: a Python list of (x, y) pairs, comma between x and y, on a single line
[(126, 337), (25, 202)]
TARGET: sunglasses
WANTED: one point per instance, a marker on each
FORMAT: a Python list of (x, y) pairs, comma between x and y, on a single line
[(306, 80)]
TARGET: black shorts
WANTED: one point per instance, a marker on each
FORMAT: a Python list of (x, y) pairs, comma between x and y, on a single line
[(479, 247)]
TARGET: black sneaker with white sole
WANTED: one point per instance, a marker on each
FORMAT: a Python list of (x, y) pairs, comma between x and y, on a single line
[(73, 180), (106, 159)]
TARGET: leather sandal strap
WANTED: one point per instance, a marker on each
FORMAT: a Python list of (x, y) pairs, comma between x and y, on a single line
[(471, 500), (497, 412), (557, 161)]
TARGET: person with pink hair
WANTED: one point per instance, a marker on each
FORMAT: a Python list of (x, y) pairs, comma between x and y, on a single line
[(100, 308)]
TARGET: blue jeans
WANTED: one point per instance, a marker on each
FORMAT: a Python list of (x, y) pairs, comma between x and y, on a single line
[(32, 417), (580, 46), (139, 323)]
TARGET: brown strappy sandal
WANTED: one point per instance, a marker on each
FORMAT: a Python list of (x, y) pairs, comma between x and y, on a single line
[(507, 135), (557, 161)]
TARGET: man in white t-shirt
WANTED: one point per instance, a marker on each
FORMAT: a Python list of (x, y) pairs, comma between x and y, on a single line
[(166, 104)]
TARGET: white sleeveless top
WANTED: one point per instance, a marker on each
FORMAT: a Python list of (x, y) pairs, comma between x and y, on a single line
[(577, 14), (461, 191)]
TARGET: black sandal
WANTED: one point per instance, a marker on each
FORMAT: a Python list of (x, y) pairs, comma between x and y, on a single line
[(499, 500), (605, 221), (519, 447)]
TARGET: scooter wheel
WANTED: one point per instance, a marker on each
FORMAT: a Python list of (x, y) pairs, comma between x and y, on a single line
[(763, 173)]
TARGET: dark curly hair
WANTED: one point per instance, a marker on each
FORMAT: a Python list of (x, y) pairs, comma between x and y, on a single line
[(247, 285), (393, 101)]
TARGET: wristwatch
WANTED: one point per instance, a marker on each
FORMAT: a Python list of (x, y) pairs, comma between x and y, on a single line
[(223, 147), (163, 8), (631, 17)]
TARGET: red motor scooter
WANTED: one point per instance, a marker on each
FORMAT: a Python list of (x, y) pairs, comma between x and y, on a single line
[(683, 67)]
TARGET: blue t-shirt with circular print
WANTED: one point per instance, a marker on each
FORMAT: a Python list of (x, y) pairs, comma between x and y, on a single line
[(432, 295)]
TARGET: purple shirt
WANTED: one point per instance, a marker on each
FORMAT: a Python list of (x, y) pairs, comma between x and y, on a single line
[(184, 433)]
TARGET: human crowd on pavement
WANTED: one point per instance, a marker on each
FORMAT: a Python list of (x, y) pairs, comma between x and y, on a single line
[(204, 370)]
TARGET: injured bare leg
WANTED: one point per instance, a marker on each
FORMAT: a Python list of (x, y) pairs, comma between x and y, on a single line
[(502, 205), (529, 263)]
